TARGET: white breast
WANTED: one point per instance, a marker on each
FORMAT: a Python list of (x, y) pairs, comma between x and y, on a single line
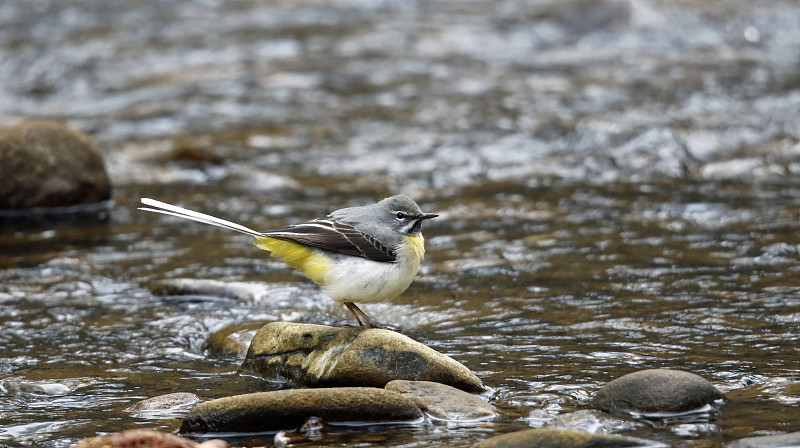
[(356, 279)]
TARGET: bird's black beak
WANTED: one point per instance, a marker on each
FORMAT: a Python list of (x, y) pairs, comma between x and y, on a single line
[(427, 216)]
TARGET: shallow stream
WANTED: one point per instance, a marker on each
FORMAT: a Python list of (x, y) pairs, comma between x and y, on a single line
[(617, 183)]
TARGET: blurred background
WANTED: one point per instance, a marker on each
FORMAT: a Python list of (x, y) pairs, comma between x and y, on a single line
[(617, 182)]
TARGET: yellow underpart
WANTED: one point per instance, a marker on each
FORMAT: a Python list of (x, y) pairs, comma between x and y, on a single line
[(311, 263), (417, 244)]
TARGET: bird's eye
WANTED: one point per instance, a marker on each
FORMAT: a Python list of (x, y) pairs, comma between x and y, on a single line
[(400, 215)]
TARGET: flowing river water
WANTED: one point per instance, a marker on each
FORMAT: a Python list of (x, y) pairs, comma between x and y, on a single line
[(617, 183)]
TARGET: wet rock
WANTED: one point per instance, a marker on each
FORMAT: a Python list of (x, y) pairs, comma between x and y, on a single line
[(284, 409), (773, 441), (135, 438), (234, 340), (198, 152), (656, 390), (168, 403), (46, 164), (240, 291), (559, 438), (443, 402), (319, 356)]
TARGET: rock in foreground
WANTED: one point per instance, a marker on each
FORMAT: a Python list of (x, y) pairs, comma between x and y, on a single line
[(45, 164), (656, 390), (322, 356), (443, 402), (560, 438), (137, 438), (772, 441), (287, 409)]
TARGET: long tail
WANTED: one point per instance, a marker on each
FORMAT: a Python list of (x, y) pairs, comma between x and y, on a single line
[(180, 212)]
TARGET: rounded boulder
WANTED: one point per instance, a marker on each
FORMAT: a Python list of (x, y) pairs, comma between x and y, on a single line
[(286, 409), (656, 390), (322, 356), (45, 164)]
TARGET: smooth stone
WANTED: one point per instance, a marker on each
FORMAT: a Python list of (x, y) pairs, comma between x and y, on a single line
[(322, 356), (240, 291), (285, 409), (45, 164), (560, 438), (169, 402), (233, 340), (656, 390), (443, 402), (773, 441), (145, 438)]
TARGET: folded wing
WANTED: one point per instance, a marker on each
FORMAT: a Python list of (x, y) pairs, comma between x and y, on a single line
[(336, 237)]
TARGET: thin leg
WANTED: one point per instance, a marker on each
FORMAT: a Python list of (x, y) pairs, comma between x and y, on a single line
[(361, 317)]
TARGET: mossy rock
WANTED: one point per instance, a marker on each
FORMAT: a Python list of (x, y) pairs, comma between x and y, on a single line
[(322, 356)]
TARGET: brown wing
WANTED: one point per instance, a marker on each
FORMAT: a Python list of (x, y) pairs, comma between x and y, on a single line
[(336, 237)]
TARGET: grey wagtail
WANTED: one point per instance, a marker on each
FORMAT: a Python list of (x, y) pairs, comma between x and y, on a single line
[(356, 254)]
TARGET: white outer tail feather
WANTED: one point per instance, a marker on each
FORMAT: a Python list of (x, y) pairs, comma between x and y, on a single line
[(180, 212)]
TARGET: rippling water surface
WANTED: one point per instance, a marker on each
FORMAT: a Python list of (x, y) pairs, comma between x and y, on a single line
[(617, 184)]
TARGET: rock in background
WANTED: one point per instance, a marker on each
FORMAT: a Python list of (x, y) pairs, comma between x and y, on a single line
[(45, 164)]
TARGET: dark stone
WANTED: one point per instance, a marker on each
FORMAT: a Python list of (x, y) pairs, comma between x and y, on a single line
[(656, 390), (560, 438), (322, 356), (45, 164), (287, 409)]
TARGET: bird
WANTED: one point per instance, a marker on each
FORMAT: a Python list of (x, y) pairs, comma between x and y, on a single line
[(362, 254)]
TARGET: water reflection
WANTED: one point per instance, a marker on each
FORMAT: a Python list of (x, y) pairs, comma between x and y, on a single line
[(616, 182)]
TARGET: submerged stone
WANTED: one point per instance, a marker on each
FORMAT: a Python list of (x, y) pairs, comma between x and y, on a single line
[(233, 340), (322, 356), (286, 409), (240, 291), (45, 164), (656, 390), (177, 401), (443, 402), (560, 438), (145, 438), (772, 441)]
